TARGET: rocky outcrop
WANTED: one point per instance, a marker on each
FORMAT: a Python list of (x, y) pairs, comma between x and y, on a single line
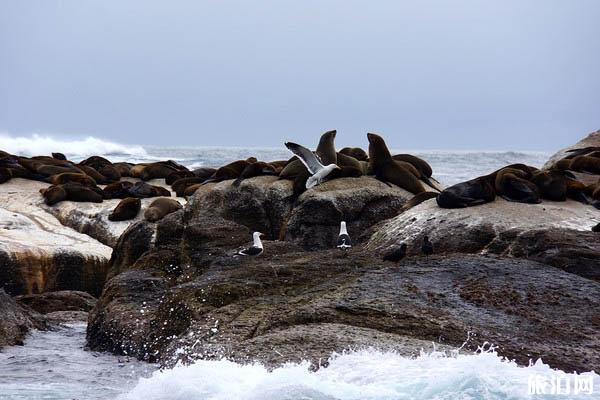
[(555, 233), (38, 254), (294, 305), (64, 300), (265, 204), (16, 321)]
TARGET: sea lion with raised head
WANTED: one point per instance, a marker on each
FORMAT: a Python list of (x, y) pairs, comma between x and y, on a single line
[(326, 148), (161, 207), (386, 169), (127, 209), (59, 156)]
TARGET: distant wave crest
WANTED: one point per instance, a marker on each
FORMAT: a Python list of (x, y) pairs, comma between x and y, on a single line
[(38, 144)]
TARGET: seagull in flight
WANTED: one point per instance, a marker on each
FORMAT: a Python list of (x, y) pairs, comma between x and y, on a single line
[(343, 242), (312, 163), (256, 249)]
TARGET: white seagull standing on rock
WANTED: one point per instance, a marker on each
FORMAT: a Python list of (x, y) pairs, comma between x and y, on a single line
[(317, 170), (256, 249), (343, 242)]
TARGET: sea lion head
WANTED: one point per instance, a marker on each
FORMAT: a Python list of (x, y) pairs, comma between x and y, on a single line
[(378, 151)]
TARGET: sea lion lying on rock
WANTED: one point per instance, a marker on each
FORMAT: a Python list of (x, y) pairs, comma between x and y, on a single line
[(74, 177), (161, 207), (73, 192), (127, 209)]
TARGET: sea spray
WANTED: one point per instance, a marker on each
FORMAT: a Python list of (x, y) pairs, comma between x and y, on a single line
[(366, 374)]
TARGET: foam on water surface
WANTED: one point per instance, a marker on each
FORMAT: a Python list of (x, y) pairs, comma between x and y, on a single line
[(366, 375)]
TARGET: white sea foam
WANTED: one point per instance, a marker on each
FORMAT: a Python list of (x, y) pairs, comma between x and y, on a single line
[(367, 374), (75, 149)]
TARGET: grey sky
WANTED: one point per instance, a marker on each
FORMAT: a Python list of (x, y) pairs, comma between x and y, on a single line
[(425, 74)]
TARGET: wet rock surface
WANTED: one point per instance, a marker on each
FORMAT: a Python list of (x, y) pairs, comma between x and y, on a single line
[(16, 321), (296, 305)]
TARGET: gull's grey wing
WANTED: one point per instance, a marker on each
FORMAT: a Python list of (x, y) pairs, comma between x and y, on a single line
[(308, 158)]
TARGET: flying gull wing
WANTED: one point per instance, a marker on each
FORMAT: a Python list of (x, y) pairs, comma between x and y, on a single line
[(308, 158)]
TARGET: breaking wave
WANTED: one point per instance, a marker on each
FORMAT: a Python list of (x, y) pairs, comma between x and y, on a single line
[(365, 375), (74, 149)]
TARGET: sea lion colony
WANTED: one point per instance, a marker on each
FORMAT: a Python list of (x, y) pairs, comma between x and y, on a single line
[(517, 182)]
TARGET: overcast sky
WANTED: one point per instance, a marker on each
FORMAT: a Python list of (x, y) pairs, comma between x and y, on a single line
[(426, 74)]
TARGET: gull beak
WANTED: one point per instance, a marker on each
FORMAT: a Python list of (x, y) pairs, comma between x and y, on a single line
[(338, 167)]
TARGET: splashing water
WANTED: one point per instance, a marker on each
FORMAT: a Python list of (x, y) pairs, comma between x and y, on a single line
[(360, 375)]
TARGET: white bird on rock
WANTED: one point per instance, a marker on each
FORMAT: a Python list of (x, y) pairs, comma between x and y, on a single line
[(256, 249), (343, 242), (317, 170)]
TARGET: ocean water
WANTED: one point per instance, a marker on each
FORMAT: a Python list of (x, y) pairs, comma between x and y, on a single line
[(449, 167), (54, 365)]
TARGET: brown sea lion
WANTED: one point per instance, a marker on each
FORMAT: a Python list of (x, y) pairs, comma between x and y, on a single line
[(161, 207), (190, 190), (103, 166), (95, 175), (5, 174), (420, 164), (512, 185), (59, 156), (80, 193), (49, 170), (180, 185), (355, 152), (124, 168), (136, 169), (345, 172), (292, 170), (344, 160), (127, 209), (562, 165), (53, 194), (258, 168), (470, 193), (204, 172), (326, 148), (386, 169), (117, 190), (65, 177), (175, 176), (586, 164), (278, 165), (230, 171), (156, 171), (585, 151), (144, 190), (552, 185)]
